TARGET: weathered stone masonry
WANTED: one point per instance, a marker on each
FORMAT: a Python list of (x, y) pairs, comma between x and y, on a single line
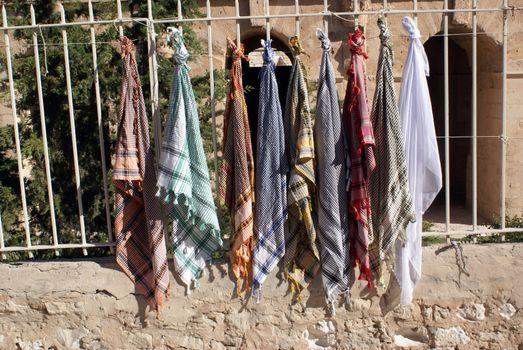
[(90, 304)]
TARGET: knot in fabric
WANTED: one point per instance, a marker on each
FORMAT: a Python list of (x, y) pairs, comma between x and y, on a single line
[(325, 42), (385, 34), (126, 46), (181, 54), (356, 41), (236, 52), (268, 52), (297, 49), (411, 27)]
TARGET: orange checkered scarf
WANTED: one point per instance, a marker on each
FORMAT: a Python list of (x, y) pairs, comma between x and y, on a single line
[(237, 171), (140, 242)]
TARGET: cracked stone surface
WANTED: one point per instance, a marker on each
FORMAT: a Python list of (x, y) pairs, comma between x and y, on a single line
[(91, 305)]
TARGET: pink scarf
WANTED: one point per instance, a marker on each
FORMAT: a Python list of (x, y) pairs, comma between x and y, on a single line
[(360, 142)]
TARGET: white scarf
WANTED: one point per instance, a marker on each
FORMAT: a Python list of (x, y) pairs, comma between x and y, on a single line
[(421, 151)]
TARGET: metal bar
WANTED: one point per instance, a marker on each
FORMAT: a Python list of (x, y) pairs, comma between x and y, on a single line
[(267, 21), (2, 244), (79, 23), (356, 10), (474, 118), (100, 125), (476, 232), (44, 132), (297, 21), (60, 246), (73, 130), (237, 12), (325, 14), (446, 115), (329, 13), (212, 97), (415, 10), (119, 16), (153, 81), (179, 9), (504, 114), (229, 18), (17, 135)]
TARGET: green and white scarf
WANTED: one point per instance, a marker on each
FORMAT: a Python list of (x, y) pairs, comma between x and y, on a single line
[(183, 180)]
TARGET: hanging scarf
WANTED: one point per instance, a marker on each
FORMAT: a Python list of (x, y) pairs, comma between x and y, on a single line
[(360, 140), (332, 197), (301, 256), (140, 243), (183, 176), (237, 171), (388, 183), (421, 152), (271, 176)]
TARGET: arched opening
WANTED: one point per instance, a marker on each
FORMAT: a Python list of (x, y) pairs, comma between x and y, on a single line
[(460, 161), (251, 72)]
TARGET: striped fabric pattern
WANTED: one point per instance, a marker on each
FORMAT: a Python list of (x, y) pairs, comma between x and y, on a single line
[(271, 176), (331, 170), (360, 141), (388, 184), (301, 256), (140, 242), (183, 176), (237, 171)]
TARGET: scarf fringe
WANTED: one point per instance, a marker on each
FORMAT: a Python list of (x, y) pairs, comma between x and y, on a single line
[(241, 264)]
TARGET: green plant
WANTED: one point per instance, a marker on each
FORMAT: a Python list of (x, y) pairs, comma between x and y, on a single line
[(57, 118)]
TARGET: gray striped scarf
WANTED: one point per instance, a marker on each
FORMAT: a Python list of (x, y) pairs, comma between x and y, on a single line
[(331, 170), (388, 185)]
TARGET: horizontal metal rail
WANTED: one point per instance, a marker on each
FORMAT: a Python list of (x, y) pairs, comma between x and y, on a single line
[(144, 20)]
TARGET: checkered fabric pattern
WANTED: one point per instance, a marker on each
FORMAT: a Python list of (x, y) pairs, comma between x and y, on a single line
[(331, 172), (271, 176), (237, 171), (360, 141), (183, 176), (302, 255), (388, 184), (140, 242)]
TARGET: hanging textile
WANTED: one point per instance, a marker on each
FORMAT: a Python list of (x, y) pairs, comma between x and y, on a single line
[(183, 176), (140, 242), (301, 256), (271, 176), (237, 171), (331, 197), (421, 152), (388, 184), (360, 141)]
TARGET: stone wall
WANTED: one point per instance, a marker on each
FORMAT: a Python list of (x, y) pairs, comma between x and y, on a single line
[(90, 304)]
